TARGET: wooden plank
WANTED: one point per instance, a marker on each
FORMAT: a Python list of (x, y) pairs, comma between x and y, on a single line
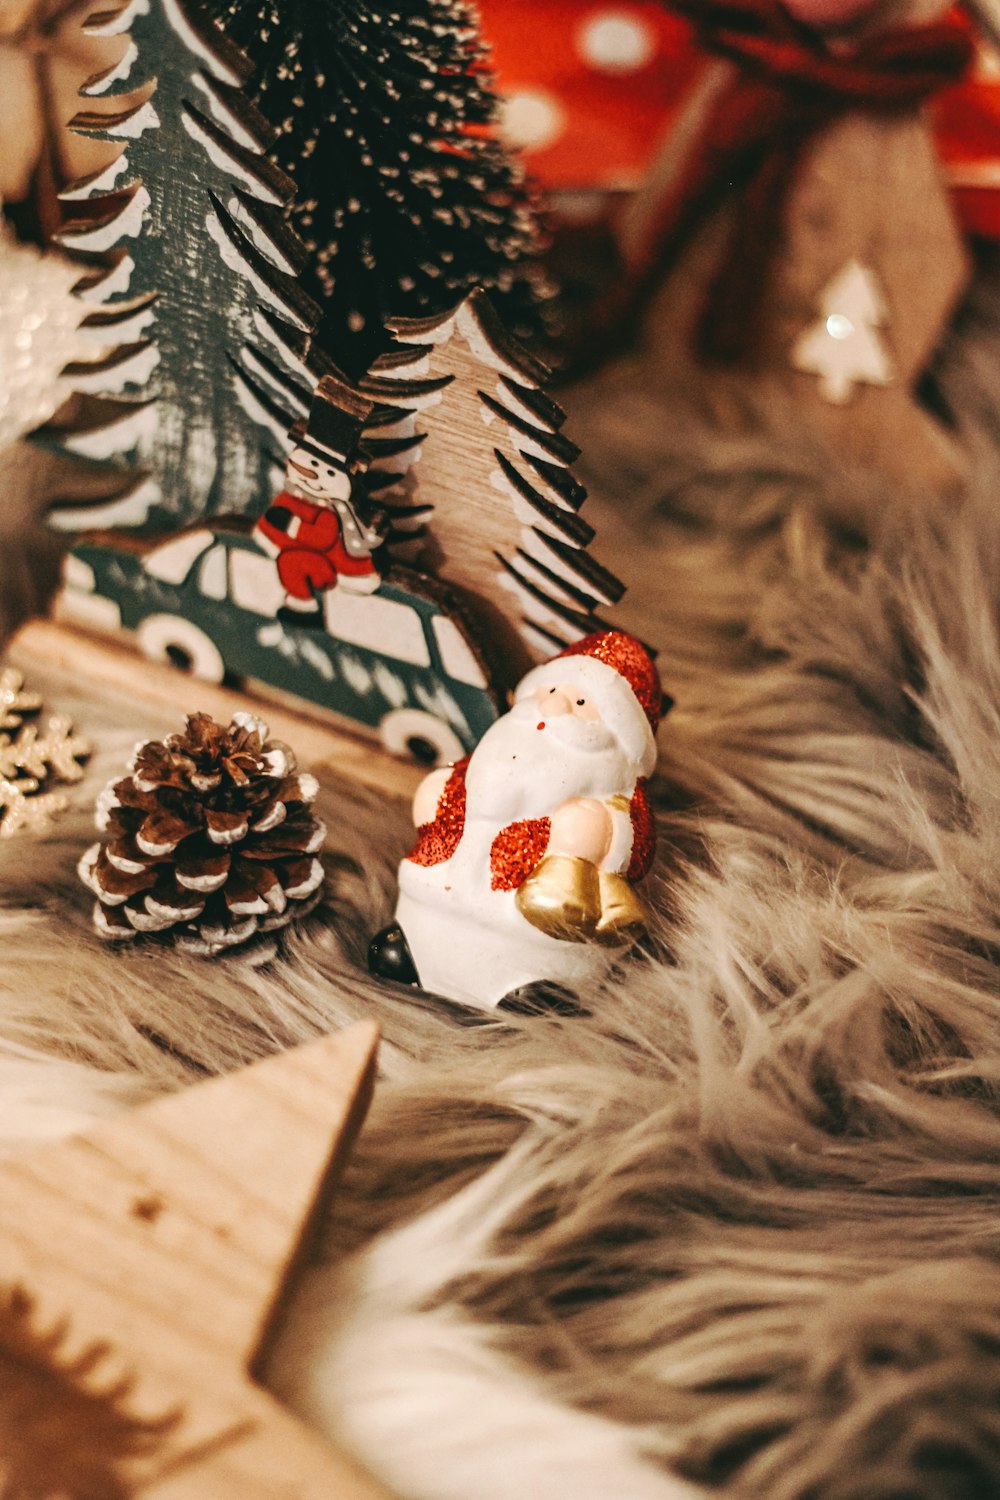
[(118, 671), (168, 1237)]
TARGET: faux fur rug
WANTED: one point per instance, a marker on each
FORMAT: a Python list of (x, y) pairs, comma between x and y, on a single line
[(737, 1227)]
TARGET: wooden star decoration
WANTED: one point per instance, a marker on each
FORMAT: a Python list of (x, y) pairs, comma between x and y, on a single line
[(144, 1263)]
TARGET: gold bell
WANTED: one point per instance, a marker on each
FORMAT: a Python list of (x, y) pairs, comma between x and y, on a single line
[(623, 916), (562, 898)]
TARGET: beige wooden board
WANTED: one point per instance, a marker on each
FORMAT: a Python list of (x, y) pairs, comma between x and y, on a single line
[(115, 668), (169, 1236)]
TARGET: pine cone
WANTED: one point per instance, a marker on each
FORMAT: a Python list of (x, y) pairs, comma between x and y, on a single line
[(211, 838)]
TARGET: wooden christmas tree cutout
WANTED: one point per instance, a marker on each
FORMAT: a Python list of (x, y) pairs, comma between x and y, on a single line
[(489, 474), (846, 345), (183, 244), (166, 1239), (385, 117), (462, 453)]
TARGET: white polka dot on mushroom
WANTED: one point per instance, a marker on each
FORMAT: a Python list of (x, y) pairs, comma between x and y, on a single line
[(616, 41), (531, 118)]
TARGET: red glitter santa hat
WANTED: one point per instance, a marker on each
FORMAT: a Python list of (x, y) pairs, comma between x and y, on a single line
[(618, 674)]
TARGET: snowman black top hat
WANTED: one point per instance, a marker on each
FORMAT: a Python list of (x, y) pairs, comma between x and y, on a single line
[(337, 416)]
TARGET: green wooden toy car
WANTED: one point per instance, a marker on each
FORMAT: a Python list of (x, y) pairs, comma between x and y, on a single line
[(401, 661)]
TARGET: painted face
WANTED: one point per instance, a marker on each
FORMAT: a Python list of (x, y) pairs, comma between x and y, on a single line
[(316, 479), (554, 700), (534, 759)]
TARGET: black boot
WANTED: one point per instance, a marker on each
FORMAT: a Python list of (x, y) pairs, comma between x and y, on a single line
[(389, 956), (542, 999), (305, 619)]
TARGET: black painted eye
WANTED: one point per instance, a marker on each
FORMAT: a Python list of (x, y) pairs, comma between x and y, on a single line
[(551, 690), (580, 702), (329, 473)]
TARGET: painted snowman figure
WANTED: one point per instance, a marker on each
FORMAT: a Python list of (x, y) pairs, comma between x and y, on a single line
[(316, 529), (527, 852)]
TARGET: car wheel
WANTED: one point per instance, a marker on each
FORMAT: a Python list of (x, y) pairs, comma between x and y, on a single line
[(420, 736), (177, 641)]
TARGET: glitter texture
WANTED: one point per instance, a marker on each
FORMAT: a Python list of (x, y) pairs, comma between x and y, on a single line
[(438, 841), (516, 850), (643, 832), (31, 756), (631, 661), (39, 333)]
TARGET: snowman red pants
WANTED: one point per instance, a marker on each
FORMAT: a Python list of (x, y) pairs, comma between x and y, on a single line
[(304, 574)]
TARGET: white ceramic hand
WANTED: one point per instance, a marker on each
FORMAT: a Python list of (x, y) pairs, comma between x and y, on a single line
[(582, 829)]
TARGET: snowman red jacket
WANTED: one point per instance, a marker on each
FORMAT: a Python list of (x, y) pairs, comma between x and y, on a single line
[(306, 539)]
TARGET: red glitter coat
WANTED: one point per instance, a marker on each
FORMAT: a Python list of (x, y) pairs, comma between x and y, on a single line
[(438, 841), (643, 832), (517, 849)]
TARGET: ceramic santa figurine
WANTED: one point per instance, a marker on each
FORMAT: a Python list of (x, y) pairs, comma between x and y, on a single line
[(528, 852), (317, 529)]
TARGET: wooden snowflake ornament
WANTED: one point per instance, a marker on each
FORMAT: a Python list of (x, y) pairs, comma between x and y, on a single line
[(15, 700), (31, 758)]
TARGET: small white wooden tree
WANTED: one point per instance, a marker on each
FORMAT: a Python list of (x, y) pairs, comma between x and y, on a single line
[(844, 346)]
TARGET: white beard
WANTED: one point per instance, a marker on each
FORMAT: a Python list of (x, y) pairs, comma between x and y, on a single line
[(521, 771)]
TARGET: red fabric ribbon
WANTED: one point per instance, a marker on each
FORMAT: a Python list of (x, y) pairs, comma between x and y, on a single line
[(789, 85)]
